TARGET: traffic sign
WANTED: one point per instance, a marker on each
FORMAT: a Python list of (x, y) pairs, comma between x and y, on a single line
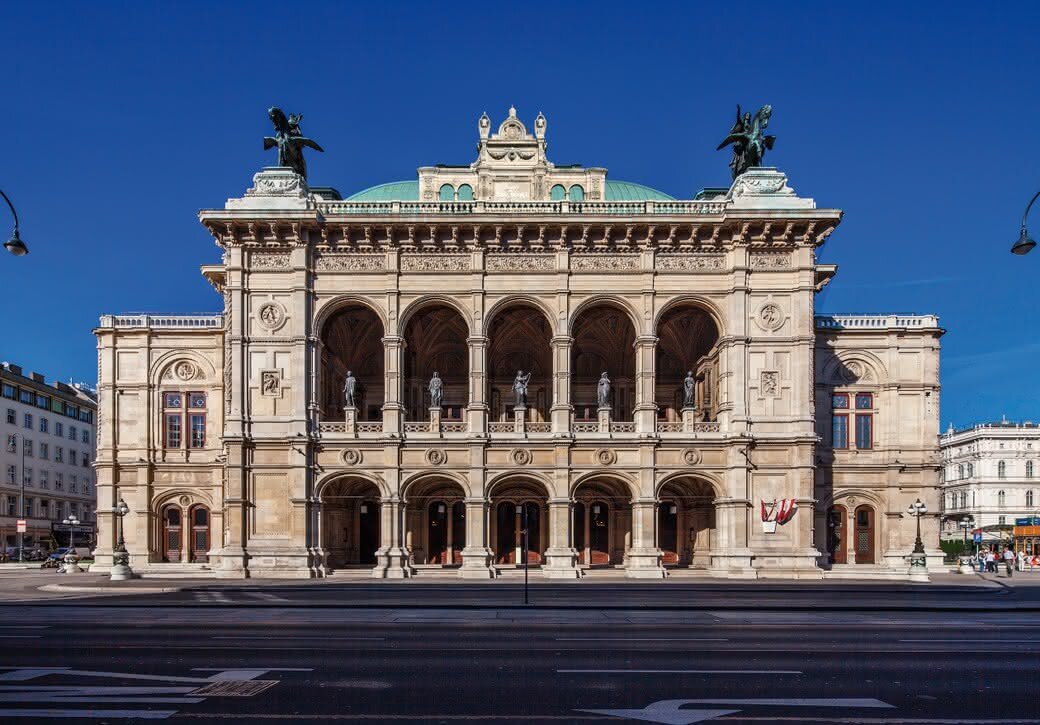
[(977, 538), (22, 525)]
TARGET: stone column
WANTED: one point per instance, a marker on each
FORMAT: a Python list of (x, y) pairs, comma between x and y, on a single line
[(520, 419), (435, 420), (645, 411), (476, 556), (393, 410), (477, 410), (561, 559), (731, 556), (391, 557), (561, 406), (644, 558), (603, 416)]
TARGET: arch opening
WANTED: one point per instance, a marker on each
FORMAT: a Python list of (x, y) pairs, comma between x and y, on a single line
[(352, 341), (435, 523), (435, 342), (687, 347), (520, 339), (601, 530), (349, 522), (604, 342), (686, 522), (510, 501)]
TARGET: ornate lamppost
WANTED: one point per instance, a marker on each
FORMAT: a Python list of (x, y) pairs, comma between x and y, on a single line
[(918, 559), (71, 560), (14, 245), (1025, 245), (967, 523), (120, 558)]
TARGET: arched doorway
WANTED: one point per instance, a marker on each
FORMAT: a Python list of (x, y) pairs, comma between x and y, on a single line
[(604, 341), (172, 533), (601, 523), (352, 341), (864, 521), (198, 544), (519, 339), (687, 339), (350, 522), (435, 523), (686, 522), (837, 536), (435, 341), (509, 502)]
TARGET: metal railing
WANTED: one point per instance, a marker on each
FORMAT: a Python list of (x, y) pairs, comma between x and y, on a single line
[(875, 322), (166, 322), (462, 208)]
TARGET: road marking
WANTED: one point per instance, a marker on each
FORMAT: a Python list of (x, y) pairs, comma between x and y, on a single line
[(19, 636), (265, 596), (642, 639), (96, 714), (263, 637), (976, 641), (669, 712), (681, 672), (23, 626)]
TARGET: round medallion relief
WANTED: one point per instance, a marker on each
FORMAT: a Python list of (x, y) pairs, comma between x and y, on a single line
[(270, 315), (186, 370), (521, 456), (435, 456), (184, 500), (770, 316), (351, 456), (691, 456), (605, 456)]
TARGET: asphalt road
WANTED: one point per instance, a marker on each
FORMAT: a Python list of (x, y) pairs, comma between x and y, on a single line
[(240, 657)]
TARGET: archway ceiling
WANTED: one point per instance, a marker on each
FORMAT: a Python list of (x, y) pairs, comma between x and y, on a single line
[(353, 340), (519, 340), (684, 336), (604, 339), (435, 340)]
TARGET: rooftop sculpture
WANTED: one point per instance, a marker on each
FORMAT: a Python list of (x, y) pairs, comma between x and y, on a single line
[(749, 140), (290, 141)]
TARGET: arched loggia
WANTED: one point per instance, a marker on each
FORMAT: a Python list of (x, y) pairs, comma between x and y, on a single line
[(352, 341), (687, 343), (435, 341), (520, 340), (604, 341)]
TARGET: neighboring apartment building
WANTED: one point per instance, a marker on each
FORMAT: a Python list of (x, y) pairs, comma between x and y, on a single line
[(990, 473), (46, 458)]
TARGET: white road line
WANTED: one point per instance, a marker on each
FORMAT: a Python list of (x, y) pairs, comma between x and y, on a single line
[(265, 596), (975, 641), (641, 639), (19, 636), (23, 626), (95, 714), (679, 672), (264, 637)]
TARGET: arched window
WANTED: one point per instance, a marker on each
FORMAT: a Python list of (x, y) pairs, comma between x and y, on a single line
[(1001, 470), (1029, 499), (447, 193), (971, 470), (951, 501), (1029, 469), (465, 192), (1001, 499), (960, 471), (557, 193), (577, 193)]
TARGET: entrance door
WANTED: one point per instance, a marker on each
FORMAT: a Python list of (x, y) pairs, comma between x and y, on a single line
[(171, 543), (578, 529), (668, 532), (865, 535), (599, 533), (368, 540), (837, 542), (534, 528), (198, 549), (505, 544), (458, 530), (437, 533)]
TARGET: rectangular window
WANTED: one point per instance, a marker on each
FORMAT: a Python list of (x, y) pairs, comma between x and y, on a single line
[(27, 477), (73, 485), (12, 505), (12, 443), (172, 400), (72, 457), (59, 454), (45, 508), (27, 447), (196, 400), (72, 432), (864, 401), (173, 430), (12, 471), (27, 421), (44, 483), (12, 416), (42, 401), (59, 429), (9, 391), (71, 410), (28, 512), (198, 430), (44, 451), (43, 425), (86, 460), (840, 431), (26, 396), (840, 401), (86, 437), (864, 431), (59, 482)]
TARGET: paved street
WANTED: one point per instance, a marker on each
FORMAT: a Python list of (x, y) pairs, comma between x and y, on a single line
[(585, 652)]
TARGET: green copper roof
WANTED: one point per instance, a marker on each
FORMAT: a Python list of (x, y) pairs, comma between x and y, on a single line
[(409, 191)]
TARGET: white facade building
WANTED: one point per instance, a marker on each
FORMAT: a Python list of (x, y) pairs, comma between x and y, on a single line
[(46, 459), (990, 474)]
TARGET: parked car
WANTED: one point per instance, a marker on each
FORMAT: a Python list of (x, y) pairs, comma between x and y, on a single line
[(31, 554)]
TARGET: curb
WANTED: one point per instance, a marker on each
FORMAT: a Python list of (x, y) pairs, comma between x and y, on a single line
[(106, 590)]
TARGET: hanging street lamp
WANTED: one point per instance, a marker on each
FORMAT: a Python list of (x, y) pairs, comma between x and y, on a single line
[(14, 245), (1024, 244)]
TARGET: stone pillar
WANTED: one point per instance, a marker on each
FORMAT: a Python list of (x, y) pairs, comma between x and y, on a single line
[(561, 406), (644, 558), (689, 419), (476, 556), (731, 556), (393, 410), (233, 554), (645, 412), (435, 421), (520, 419), (603, 415), (478, 408), (391, 557), (350, 416), (561, 560)]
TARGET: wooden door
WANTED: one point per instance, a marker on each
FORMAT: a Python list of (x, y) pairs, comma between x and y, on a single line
[(668, 532), (172, 541), (458, 531), (865, 535), (599, 533), (198, 549), (505, 545), (837, 543), (578, 529), (437, 533), (368, 530)]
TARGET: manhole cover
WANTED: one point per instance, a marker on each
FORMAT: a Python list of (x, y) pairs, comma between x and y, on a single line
[(234, 688)]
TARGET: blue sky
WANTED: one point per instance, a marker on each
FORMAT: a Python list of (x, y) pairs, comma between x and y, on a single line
[(122, 120)]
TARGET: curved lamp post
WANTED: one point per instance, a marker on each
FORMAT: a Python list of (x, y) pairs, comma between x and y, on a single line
[(1025, 245), (120, 558), (918, 559), (14, 245)]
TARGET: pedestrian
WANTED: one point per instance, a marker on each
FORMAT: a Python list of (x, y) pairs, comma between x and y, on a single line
[(991, 561), (1020, 561), (1009, 561)]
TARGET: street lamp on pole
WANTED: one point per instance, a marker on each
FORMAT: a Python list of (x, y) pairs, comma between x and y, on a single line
[(21, 499), (918, 559), (71, 565), (1024, 245), (14, 245), (120, 558)]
